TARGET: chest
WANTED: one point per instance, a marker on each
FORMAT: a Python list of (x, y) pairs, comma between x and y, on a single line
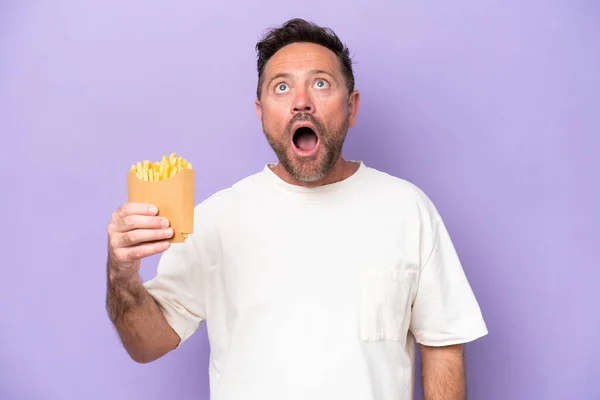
[(315, 256)]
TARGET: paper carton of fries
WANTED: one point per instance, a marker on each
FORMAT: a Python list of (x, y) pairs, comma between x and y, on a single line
[(169, 185)]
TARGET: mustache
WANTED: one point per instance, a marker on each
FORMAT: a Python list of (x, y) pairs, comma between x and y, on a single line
[(303, 117)]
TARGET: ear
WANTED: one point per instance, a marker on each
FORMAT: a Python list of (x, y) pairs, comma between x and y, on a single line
[(258, 109), (353, 105)]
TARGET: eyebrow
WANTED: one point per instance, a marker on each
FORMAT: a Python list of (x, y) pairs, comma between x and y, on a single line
[(278, 76), (287, 75)]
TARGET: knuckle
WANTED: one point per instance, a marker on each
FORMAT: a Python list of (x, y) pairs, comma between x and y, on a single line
[(128, 221), (137, 253), (130, 237), (123, 211), (113, 242), (120, 211), (120, 255), (113, 222)]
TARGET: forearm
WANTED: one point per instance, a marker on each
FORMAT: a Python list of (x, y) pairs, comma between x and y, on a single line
[(143, 329), (443, 373)]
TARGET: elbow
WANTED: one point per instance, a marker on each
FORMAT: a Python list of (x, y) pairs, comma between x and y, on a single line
[(140, 359), (150, 354), (143, 357)]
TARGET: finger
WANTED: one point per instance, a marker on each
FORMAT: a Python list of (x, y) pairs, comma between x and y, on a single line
[(138, 236), (132, 222), (135, 208), (135, 253)]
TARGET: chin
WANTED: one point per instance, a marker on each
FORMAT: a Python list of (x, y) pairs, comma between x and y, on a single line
[(307, 170), (310, 179)]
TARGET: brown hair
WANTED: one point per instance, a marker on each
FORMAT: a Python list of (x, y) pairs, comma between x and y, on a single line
[(299, 30)]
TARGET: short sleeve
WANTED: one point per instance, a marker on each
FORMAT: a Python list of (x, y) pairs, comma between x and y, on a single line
[(445, 310), (178, 287)]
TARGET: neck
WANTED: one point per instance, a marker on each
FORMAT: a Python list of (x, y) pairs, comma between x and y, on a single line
[(341, 170)]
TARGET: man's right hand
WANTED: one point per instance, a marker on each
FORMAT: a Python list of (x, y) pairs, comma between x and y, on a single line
[(135, 232)]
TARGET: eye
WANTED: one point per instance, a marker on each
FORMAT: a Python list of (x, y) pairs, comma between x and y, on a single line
[(281, 88), (321, 84)]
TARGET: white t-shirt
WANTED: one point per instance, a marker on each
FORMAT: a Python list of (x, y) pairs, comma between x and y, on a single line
[(317, 293)]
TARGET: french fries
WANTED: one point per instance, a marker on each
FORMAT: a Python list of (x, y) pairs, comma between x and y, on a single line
[(160, 170)]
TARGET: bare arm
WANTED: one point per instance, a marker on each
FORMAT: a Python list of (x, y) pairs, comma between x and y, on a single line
[(144, 331), (443, 373), (135, 232)]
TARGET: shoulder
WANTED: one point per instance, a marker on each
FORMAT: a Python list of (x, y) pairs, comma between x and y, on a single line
[(224, 199), (398, 192)]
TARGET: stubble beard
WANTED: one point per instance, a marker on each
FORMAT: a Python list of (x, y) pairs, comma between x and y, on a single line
[(314, 168)]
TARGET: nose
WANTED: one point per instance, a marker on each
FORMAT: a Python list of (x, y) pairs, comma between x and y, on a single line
[(302, 103)]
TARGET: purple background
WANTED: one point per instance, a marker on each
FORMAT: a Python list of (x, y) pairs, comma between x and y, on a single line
[(492, 108)]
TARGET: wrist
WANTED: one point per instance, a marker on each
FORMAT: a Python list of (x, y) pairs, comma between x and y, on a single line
[(121, 277), (126, 280)]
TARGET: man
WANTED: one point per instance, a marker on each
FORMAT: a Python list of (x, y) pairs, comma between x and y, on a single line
[(316, 276)]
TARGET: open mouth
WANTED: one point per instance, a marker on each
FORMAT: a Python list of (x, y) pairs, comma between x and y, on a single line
[(305, 139)]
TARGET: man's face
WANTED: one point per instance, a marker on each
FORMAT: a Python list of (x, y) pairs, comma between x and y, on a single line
[(305, 109)]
